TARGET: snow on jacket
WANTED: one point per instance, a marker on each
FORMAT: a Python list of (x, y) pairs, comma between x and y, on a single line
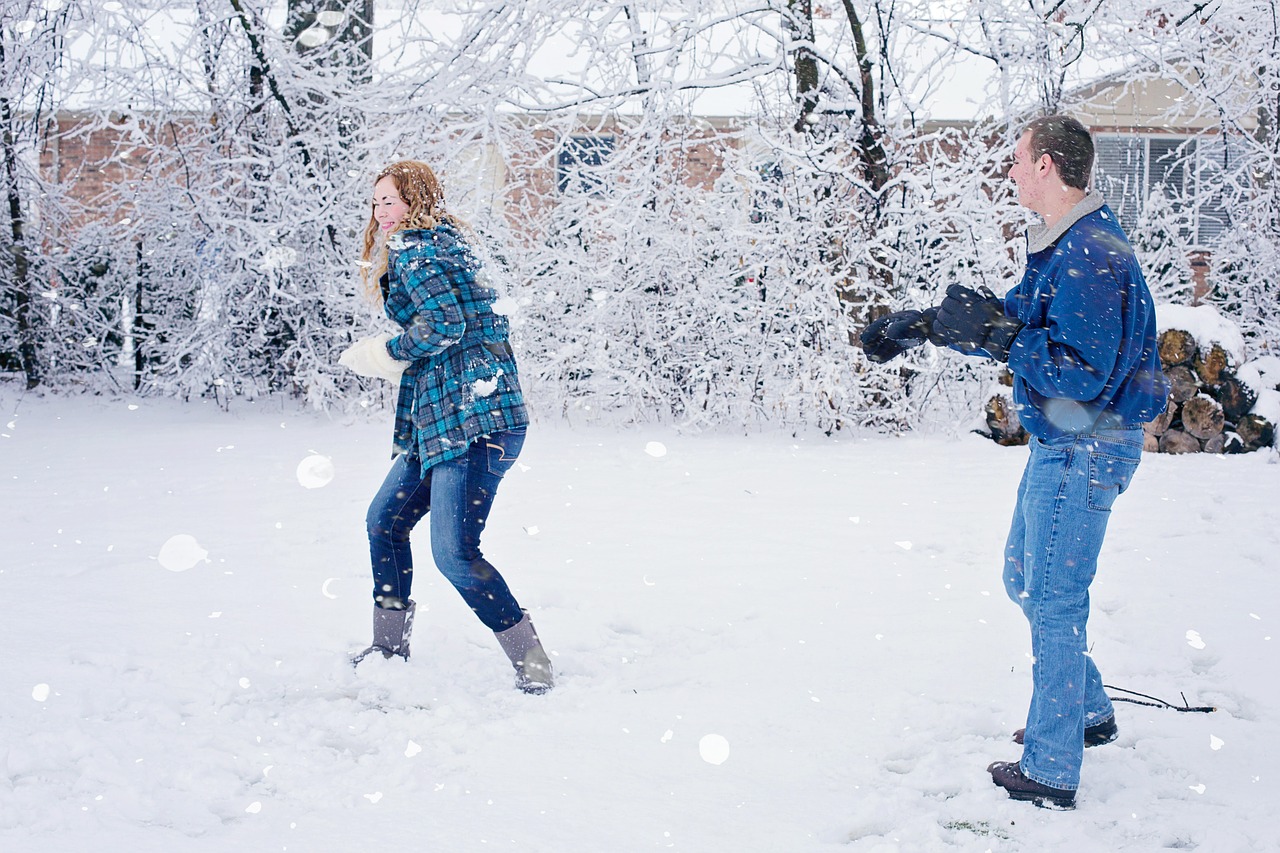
[(1086, 358), (461, 382)]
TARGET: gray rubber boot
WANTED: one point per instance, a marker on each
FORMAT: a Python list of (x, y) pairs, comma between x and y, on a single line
[(533, 667), (391, 629)]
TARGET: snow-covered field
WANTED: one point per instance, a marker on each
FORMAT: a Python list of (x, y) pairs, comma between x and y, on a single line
[(764, 643)]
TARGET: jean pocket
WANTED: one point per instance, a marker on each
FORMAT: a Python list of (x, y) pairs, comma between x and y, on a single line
[(1109, 476), (501, 450)]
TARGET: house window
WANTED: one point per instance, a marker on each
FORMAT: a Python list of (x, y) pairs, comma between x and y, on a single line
[(766, 199), (579, 161), (1187, 170)]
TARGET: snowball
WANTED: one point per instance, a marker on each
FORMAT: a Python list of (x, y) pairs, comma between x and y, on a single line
[(485, 387), (181, 552), (254, 807), (1194, 641), (532, 530), (40, 692), (374, 797), (315, 471), (714, 749), (656, 449), (1215, 742), (411, 750), (504, 306)]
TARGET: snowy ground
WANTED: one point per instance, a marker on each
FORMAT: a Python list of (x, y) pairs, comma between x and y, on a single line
[(830, 608)]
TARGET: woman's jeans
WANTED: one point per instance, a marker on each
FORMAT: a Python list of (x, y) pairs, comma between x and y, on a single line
[(458, 494), (1064, 501)]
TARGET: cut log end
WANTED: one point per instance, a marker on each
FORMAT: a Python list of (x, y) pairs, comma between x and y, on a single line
[(1177, 441), (1212, 365), (1003, 424), (1202, 417), (1176, 347)]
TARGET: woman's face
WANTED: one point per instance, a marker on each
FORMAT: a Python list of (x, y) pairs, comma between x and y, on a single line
[(388, 208)]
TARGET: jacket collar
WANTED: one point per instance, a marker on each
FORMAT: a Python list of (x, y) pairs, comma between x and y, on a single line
[(1041, 237)]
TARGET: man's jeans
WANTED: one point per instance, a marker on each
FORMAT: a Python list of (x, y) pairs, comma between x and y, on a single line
[(1064, 501), (458, 494)]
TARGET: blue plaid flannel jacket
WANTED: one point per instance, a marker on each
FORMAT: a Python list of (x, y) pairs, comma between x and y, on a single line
[(461, 382)]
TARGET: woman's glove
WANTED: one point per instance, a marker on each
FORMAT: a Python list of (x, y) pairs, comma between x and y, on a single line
[(369, 357)]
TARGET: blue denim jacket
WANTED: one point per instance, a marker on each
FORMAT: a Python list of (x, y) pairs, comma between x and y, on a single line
[(461, 382), (1087, 357)]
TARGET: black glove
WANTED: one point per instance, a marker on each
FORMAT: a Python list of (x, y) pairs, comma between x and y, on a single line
[(893, 334), (972, 319)]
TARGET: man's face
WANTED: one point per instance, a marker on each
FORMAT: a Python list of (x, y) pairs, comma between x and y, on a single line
[(1029, 174)]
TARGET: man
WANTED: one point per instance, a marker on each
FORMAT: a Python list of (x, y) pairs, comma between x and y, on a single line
[(1079, 335)]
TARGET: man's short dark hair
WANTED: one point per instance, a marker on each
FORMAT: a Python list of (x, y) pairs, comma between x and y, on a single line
[(1068, 143)]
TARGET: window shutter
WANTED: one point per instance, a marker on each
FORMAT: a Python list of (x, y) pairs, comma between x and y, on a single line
[(1216, 160), (1119, 173)]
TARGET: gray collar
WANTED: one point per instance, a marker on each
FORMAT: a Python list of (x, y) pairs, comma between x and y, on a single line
[(1041, 237)]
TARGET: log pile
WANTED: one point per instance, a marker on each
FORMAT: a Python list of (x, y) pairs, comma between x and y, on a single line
[(1210, 408), (1214, 405), (1003, 425)]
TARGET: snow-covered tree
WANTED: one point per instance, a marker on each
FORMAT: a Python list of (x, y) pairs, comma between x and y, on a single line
[(663, 264)]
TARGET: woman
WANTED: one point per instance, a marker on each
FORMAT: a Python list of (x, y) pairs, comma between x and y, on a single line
[(460, 416)]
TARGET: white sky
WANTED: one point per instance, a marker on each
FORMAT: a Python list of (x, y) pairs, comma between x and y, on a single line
[(948, 84)]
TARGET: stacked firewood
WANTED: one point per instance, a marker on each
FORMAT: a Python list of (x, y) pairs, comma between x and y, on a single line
[(1003, 425), (1215, 405), (1210, 407)]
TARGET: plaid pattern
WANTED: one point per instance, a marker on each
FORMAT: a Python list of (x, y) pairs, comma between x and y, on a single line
[(461, 382)]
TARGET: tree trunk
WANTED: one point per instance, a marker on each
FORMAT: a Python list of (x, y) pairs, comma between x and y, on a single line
[(875, 162), (23, 286), (139, 320), (800, 23)]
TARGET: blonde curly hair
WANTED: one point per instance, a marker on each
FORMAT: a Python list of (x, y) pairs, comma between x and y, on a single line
[(419, 188)]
